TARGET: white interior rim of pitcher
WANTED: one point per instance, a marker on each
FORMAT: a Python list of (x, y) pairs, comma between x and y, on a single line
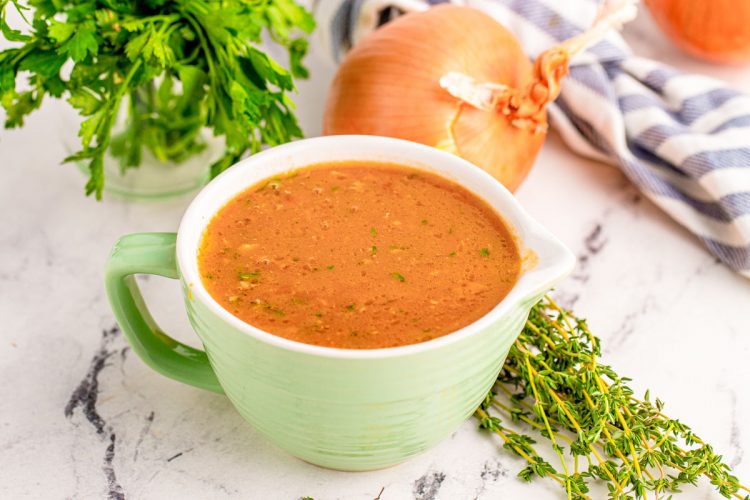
[(554, 262)]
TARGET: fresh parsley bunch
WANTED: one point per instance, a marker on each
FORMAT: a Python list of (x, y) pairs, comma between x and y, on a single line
[(178, 66)]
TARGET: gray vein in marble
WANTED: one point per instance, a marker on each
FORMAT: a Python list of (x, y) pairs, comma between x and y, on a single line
[(492, 470), (735, 436), (86, 395), (627, 327), (593, 243), (115, 490), (427, 486), (76, 477), (707, 264), (144, 431), (178, 455)]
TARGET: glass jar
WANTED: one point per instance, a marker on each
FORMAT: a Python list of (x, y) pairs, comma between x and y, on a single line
[(157, 180), (153, 179)]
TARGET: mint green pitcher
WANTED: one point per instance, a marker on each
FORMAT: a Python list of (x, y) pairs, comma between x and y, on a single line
[(343, 409)]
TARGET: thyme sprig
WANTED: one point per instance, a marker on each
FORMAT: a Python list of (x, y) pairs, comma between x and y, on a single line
[(553, 384)]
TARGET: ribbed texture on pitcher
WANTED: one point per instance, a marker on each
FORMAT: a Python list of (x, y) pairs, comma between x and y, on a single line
[(355, 414)]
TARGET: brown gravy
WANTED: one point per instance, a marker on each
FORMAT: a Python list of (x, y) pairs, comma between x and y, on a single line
[(358, 256)]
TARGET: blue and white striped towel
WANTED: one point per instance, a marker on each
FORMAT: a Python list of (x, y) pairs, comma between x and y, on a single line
[(684, 140)]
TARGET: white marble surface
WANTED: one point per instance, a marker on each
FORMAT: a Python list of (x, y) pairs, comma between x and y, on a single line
[(82, 417)]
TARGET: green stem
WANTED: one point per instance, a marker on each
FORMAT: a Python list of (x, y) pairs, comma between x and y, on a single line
[(202, 39), (124, 87), (547, 426)]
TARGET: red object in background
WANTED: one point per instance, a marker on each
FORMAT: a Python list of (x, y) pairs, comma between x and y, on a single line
[(715, 30)]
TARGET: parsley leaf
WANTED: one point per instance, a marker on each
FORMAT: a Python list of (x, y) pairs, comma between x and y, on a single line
[(60, 32), (82, 42), (10, 34)]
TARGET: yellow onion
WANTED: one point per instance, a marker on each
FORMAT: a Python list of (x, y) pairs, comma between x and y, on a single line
[(716, 30), (454, 78)]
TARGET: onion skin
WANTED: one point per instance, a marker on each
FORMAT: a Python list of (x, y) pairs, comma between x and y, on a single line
[(715, 30), (389, 85)]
